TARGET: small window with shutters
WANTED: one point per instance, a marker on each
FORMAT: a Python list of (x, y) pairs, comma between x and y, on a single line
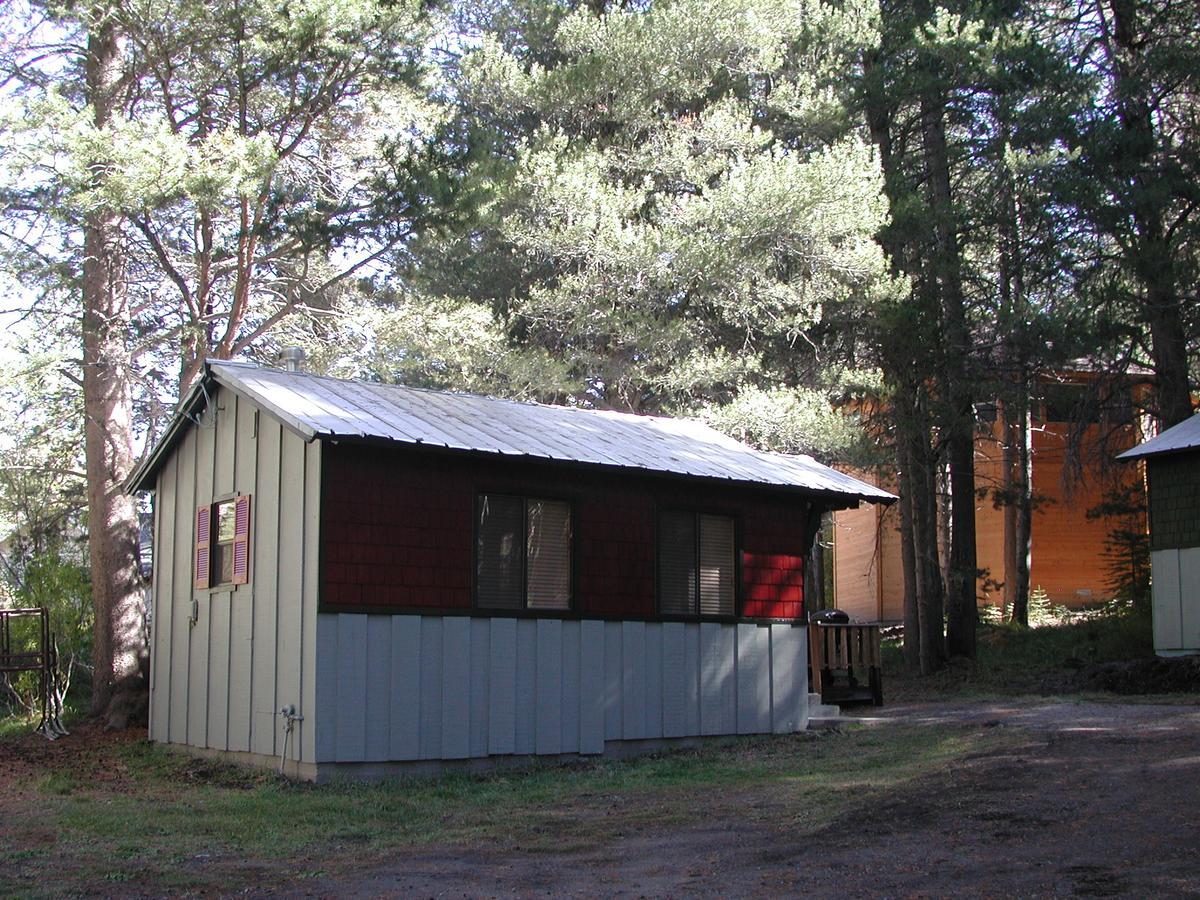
[(696, 557), (223, 543), (522, 553)]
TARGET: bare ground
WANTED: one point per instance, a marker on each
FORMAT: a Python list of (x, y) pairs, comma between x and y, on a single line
[(1098, 800), (1080, 799)]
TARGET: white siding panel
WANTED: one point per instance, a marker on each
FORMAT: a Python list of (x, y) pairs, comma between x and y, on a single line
[(289, 596), (350, 675), (163, 602), (431, 687), (570, 662), (456, 688), (592, 687), (1165, 592), (264, 576), (548, 737), (245, 597), (328, 716), (675, 673), (453, 687), (526, 711), (378, 688), (653, 727), (753, 679), (786, 680), (182, 593), (218, 670), (481, 633), (718, 681), (241, 657), (1189, 598), (691, 642), (226, 413), (310, 597), (404, 716), (502, 687), (198, 648), (613, 673), (633, 680)]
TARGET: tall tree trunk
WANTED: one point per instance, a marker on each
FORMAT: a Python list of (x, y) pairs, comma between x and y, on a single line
[(108, 407), (923, 594), (1024, 535), (1152, 256), (1018, 450), (959, 421), (908, 557)]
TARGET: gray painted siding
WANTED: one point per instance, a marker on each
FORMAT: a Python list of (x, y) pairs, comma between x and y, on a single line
[(1176, 600), (220, 681), (395, 688)]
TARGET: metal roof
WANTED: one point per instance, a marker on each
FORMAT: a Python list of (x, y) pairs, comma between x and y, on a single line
[(317, 407), (1176, 439)]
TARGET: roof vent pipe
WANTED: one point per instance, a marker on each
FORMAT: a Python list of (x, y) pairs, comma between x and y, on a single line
[(291, 358)]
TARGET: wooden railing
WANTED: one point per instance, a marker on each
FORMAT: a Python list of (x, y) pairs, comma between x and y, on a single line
[(845, 665)]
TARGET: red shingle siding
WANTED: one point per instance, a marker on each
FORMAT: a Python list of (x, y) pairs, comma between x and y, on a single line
[(398, 530), (773, 563), (392, 536)]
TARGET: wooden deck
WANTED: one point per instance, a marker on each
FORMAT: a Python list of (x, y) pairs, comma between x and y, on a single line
[(845, 663)]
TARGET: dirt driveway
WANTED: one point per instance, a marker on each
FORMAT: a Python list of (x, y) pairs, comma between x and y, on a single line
[(1088, 799)]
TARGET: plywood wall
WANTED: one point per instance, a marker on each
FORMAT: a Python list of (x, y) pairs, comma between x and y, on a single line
[(408, 687), (223, 661)]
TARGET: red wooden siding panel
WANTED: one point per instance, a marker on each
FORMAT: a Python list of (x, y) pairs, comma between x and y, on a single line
[(398, 530)]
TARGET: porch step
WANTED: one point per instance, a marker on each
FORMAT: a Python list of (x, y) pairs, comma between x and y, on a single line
[(822, 715)]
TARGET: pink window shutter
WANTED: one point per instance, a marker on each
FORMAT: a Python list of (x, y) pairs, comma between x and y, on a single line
[(203, 552), (241, 540)]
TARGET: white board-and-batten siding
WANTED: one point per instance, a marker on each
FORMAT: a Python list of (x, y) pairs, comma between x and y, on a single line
[(217, 682), (1175, 591), (394, 688)]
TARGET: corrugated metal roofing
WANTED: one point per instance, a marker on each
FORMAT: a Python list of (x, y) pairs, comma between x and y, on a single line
[(321, 407), (1184, 436)]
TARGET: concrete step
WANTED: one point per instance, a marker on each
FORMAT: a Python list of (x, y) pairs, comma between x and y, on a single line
[(819, 710)]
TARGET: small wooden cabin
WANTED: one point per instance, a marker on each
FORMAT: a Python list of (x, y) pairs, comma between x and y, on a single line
[(425, 576), (1173, 478)]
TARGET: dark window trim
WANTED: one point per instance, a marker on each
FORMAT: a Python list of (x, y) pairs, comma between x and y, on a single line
[(572, 553), (561, 615), (738, 598)]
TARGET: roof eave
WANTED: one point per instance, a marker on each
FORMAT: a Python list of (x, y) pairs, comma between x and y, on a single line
[(141, 478)]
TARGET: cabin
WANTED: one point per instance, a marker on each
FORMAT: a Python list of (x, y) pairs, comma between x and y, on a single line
[(361, 579), (1071, 550), (1173, 479)]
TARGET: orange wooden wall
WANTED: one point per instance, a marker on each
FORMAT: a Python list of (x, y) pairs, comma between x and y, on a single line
[(1068, 553)]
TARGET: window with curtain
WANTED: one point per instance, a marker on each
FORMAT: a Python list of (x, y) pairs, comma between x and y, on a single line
[(522, 553), (696, 556)]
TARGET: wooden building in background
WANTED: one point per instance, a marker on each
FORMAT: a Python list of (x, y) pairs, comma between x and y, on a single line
[(1072, 474)]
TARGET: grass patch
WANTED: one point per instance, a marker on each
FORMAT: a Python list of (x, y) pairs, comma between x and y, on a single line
[(1043, 660), (181, 824)]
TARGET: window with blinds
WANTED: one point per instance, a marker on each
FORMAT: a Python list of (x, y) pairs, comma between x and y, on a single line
[(696, 556), (523, 553)]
